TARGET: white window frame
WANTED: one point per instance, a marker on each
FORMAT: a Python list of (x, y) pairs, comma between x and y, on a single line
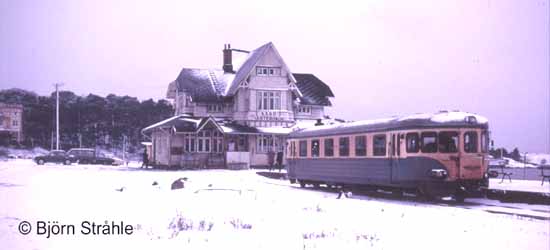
[(268, 100), (304, 109), (268, 71), (202, 141), (214, 108), (190, 142), (267, 143)]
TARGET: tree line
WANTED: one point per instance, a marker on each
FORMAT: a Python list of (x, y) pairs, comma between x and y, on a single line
[(502, 152), (85, 121)]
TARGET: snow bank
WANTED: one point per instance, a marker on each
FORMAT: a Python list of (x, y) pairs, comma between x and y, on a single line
[(511, 163), (537, 159), (23, 153)]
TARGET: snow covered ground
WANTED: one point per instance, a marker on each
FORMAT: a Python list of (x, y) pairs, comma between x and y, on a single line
[(537, 158), (236, 210)]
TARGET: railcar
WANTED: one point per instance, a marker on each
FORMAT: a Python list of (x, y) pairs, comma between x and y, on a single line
[(435, 154)]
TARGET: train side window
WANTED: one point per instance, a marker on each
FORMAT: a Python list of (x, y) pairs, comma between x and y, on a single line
[(429, 142), (314, 148), (448, 142), (412, 142), (343, 146), (329, 147), (303, 148), (360, 145), (379, 145), (484, 141), (470, 142)]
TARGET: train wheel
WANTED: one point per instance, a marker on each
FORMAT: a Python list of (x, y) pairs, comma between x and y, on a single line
[(316, 185), (302, 183)]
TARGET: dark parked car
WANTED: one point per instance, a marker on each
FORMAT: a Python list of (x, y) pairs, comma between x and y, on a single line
[(55, 156), (88, 156)]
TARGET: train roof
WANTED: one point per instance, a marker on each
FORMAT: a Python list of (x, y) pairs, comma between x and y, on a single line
[(442, 119)]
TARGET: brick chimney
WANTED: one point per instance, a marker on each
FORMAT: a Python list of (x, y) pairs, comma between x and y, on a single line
[(227, 59)]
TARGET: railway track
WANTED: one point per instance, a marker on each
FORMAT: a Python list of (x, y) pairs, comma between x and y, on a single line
[(494, 206)]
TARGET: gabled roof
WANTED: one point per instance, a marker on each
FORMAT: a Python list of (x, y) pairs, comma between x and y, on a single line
[(248, 66), (314, 91), (204, 85), (215, 85), (181, 123)]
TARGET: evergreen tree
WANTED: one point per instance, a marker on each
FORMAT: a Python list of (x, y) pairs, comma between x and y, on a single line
[(86, 121)]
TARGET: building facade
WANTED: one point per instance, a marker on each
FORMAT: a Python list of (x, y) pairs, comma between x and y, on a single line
[(239, 115), (11, 123)]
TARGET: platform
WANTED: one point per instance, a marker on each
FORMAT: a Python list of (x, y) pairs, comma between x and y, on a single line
[(520, 185), (524, 191)]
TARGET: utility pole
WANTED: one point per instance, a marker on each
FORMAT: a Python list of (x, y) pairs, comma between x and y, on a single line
[(57, 85), (124, 149)]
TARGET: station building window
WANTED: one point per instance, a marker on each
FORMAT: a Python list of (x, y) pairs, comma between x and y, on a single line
[(360, 145), (379, 145), (329, 147), (343, 146), (214, 108), (412, 142), (268, 71), (268, 100), (429, 142)]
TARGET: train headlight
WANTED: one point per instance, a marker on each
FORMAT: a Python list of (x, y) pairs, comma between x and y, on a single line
[(438, 173)]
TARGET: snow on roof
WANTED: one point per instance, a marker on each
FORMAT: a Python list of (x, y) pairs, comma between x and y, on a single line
[(457, 116), (275, 130), (424, 119), (160, 123)]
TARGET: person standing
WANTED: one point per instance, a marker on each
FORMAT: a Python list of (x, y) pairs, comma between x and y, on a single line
[(270, 159), (145, 159), (280, 160)]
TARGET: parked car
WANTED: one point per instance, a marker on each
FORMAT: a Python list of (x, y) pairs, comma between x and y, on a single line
[(55, 156), (88, 156)]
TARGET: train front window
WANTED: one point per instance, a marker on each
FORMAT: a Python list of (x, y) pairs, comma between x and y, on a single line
[(448, 142), (343, 146), (470, 142), (360, 145), (484, 141), (315, 148), (412, 143), (429, 142), (329, 147), (303, 148), (379, 145)]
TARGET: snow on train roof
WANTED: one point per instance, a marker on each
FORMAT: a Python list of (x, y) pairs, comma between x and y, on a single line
[(443, 118)]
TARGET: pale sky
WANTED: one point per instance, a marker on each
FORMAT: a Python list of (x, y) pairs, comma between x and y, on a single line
[(380, 57)]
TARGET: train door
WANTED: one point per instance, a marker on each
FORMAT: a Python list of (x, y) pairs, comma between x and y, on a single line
[(471, 156), (448, 152), (395, 153)]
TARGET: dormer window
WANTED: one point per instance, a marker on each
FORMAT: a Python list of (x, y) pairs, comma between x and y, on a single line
[(304, 109), (268, 71), (214, 108)]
